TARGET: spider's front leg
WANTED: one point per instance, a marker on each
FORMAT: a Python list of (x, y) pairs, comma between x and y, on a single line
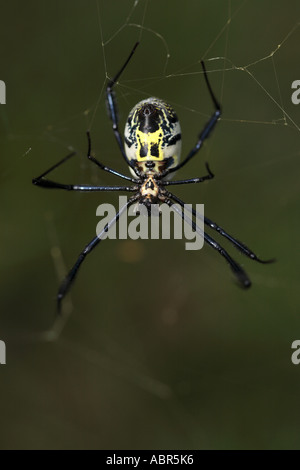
[(207, 129), (112, 109)]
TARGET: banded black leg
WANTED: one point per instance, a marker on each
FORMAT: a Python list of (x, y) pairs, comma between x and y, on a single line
[(104, 167), (46, 183), (68, 281), (35, 180), (207, 129), (235, 267), (112, 109), (239, 245), (192, 180)]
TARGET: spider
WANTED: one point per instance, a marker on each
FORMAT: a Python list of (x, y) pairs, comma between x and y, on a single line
[(151, 148)]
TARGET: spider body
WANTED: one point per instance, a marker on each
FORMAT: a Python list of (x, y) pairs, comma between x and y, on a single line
[(152, 142), (151, 148)]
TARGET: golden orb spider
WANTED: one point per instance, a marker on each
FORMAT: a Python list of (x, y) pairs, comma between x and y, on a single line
[(152, 151)]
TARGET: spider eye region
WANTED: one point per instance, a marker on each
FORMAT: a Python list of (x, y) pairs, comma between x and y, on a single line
[(153, 134)]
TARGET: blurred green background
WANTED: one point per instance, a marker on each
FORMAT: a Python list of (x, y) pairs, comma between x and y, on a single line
[(161, 349)]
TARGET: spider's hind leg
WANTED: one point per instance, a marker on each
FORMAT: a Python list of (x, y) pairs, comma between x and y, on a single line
[(69, 279)]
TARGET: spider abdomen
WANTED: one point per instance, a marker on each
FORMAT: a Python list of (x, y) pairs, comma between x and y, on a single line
[(153, 136)]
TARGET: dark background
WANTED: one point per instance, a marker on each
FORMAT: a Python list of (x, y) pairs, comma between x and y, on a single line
[(161, 349)]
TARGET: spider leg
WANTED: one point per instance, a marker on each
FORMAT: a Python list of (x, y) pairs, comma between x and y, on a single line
[(192, 180), (239, 245), (46, 183), (104, 167), (53, 167), (68, 281), (207, 129), (112, 109), (235, 267)]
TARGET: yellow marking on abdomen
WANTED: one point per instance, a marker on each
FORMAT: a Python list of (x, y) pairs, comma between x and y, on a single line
[(149, 139)]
